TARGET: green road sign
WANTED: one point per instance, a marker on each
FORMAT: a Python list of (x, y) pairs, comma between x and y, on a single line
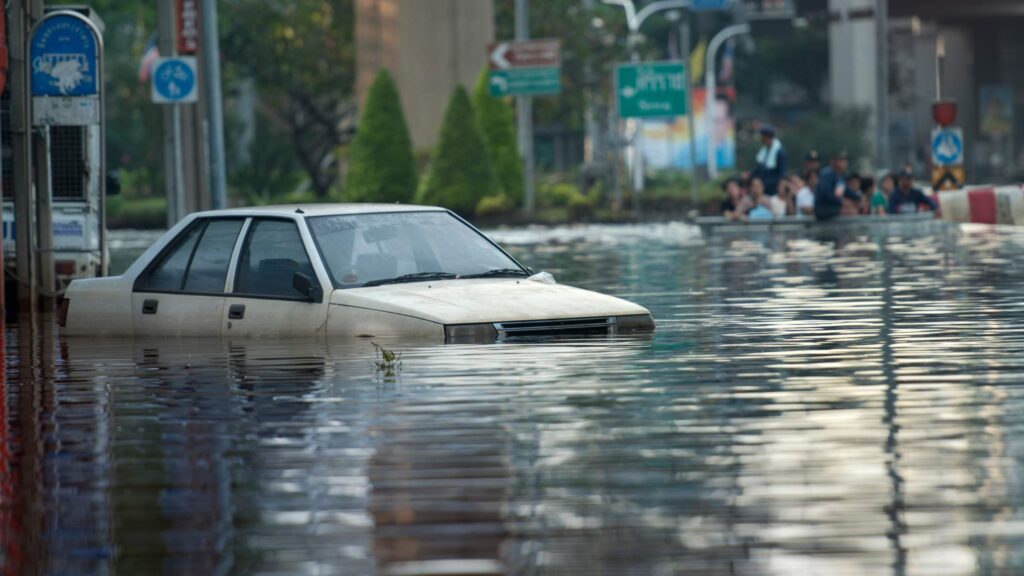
[(651, 89), (525, 81)]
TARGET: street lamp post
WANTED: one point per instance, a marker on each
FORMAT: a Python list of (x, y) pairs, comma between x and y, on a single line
[(709, 88), (634, 20)]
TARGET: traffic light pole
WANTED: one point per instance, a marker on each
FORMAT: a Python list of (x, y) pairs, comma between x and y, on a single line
[(524, 118)]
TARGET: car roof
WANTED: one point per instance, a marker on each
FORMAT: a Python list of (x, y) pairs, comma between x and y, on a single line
[(319, 210)]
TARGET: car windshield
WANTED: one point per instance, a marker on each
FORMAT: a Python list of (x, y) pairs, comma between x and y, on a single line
[(373, 249)]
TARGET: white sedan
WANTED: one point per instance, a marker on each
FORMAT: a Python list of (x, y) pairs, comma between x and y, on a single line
[(359, 270)]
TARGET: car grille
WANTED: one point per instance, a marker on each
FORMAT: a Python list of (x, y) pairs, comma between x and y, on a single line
[(562, 327)]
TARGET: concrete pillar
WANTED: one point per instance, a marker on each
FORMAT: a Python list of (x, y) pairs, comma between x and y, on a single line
[(853, 58)]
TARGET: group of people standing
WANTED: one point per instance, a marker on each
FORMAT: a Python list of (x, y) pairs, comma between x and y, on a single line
[(769, 192)]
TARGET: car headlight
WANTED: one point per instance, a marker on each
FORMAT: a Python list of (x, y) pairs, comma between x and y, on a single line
[(634, 323), (469, 333)]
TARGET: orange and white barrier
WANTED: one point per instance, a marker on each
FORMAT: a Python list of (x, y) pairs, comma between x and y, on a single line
[(983, 205)]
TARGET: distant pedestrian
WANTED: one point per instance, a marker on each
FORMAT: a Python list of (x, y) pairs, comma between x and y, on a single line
[(782, 203), (906, 199), (828, 194), (812, 162), (762, 209), (880, 199), (737, 203), (805, 192), (867, 187), (771, 161), (852, 196)]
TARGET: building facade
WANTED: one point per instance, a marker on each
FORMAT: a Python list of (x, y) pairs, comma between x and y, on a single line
[(430, 46), (954, 49)]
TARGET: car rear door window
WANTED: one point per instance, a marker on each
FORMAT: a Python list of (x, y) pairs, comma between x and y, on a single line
[(272, 253), (169, 274), (199, 262), (209, 267)]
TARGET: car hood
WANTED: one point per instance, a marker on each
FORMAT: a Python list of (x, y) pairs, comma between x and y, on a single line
[(485, 300)]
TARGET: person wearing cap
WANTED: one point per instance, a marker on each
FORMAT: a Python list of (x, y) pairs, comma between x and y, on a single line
[(906, 199), (812, 162), (771, 160), (828, 195)]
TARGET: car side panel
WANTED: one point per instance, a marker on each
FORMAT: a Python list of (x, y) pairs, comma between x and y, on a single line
[(177, 314), (269, 317), (349, 321), (99, 307)]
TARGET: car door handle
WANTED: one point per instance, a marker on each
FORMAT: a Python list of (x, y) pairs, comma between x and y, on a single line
[(150, 306), (236, 311)]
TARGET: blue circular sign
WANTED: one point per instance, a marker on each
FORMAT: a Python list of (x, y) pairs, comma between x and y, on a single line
[(64, 53), (174, 80), (947, 147)]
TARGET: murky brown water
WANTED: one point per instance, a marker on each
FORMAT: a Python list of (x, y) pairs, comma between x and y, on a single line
[(850, 405)]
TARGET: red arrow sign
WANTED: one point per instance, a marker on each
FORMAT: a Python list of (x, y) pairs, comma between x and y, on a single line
[(525, 54)]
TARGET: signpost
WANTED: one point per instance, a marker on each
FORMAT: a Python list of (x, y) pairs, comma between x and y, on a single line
[(66, 80), (65, 77), (947, 158), (174, 80), (525, 68), (651, 90)]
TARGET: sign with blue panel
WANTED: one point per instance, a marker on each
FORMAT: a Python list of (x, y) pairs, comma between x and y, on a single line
[(947, 146), (174, 80), (710, 4), (65, 52)]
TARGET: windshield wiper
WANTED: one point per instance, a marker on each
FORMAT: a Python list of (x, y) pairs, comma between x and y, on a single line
[(497, 272), (415, 277)]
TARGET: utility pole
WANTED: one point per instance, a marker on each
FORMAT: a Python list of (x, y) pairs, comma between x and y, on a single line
[(710, 88), (167, 30), (44, 219), (684, 51), (882, 115), (215, 105), (524, 115), (23, 12)]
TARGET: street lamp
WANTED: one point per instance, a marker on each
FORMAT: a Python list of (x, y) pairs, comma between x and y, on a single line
[(635, 19)]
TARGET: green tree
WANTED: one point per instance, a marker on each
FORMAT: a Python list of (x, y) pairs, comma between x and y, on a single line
[(460, 172), (382, 167), (497, 126), (301, 56)]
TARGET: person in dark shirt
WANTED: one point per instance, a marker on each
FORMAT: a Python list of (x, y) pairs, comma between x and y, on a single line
[(828, 194), (737, 203), (906, 199), (771, 161)]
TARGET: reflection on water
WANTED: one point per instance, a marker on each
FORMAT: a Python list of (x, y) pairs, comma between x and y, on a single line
[(809, 405)]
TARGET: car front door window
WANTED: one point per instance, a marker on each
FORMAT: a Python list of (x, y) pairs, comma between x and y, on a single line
[(272, 254)]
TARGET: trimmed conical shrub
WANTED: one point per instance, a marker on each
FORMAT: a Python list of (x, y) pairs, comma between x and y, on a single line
[(498, 127), (382, 167), (460, 171)]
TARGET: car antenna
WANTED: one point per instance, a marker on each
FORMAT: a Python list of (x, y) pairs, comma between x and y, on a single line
[(299, 211)]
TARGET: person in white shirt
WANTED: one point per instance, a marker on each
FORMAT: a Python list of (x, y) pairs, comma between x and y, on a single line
[(781, 203), (805, 192)]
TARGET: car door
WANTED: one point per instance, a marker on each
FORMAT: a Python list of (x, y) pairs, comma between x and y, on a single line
[(182, 292), (262, 298)]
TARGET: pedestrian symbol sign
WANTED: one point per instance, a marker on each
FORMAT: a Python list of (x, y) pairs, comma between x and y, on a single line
[(947, 147), (174, 80)]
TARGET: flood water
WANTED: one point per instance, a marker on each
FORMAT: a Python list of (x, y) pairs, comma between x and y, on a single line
[(844, 404)]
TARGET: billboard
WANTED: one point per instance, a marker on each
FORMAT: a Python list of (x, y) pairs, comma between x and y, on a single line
[(666, 141)]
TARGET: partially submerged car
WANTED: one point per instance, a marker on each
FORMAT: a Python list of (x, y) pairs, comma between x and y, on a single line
[(362, 270)]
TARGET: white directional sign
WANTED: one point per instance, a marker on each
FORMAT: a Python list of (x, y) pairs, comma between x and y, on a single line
[(947, 146), (174, 80)]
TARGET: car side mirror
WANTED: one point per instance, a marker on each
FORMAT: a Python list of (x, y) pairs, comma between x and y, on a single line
[(307, 287)]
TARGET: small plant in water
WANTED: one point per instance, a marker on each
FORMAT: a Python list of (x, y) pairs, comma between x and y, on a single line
[(387, 361)]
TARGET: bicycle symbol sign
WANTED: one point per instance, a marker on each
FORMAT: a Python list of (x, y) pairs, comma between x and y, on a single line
[(174, 80)]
